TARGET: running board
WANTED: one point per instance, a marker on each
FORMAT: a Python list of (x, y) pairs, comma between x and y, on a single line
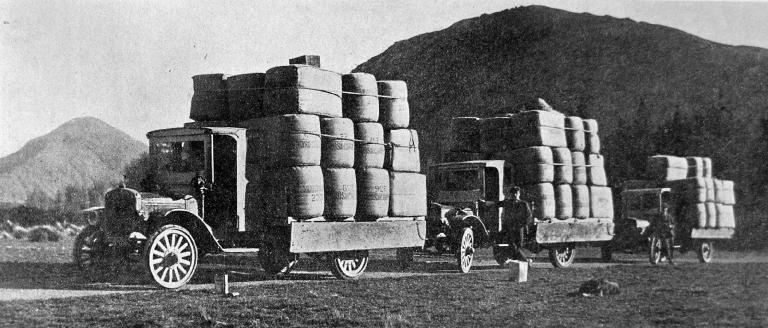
[(240, 250)]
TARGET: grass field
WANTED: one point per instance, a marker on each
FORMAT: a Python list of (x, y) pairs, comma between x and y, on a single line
[(689, 294)]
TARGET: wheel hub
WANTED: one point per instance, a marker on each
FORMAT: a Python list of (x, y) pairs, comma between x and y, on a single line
[(170, 259)]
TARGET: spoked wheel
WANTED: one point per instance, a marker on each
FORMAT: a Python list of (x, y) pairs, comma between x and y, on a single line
[(91, 251), (466, 250), (561, 256), (501, 254), (349, 265), (275, 256), (171, 256), (705, 250), (654, 250)]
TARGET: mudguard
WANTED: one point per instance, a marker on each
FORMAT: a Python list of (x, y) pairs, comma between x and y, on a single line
[(200, 230)]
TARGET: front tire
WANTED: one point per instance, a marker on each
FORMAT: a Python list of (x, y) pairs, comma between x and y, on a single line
[(705, 251), (90, 252), (349, 265), (466, 250), (171, 256), (561, 256), (654, 250)]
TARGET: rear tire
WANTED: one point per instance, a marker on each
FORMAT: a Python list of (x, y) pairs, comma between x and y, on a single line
[(705, 251), (90, 253), (561, 256), (274, 254), (349, 265), (501, 255)]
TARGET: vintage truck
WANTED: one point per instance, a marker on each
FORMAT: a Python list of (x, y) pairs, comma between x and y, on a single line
[(193, 203), (639, 207), (464, 215)]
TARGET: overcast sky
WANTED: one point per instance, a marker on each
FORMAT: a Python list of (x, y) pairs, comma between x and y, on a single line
[(129, 63)]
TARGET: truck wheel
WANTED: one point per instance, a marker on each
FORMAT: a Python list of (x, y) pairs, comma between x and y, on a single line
[(274, 255), (561, 256), (90, 252), (171, 256), (404, 257), (705, 250), (466, 250), (349, 265), (606, 253), (654, 250), (501, 255)]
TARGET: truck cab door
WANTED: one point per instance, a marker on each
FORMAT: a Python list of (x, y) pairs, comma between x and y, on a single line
[(221, 202), (489, 211)]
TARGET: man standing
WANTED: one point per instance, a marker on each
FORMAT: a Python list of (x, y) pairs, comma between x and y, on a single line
[(663, 227), (515, 222)]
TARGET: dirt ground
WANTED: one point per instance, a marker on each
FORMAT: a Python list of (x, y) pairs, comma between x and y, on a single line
[(39, 271)]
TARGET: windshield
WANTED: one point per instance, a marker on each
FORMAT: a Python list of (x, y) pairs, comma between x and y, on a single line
[(179, 156), (461, 180)]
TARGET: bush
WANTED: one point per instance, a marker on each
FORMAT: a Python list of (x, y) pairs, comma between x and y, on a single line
[(44, 233), (20, 232)]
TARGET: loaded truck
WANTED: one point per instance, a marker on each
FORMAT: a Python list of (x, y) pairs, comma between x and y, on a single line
[(274, 163)]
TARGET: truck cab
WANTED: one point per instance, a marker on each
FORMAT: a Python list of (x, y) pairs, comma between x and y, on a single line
[(638, 208)]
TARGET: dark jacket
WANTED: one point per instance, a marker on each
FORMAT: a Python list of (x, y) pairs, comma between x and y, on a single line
[(517, 213)]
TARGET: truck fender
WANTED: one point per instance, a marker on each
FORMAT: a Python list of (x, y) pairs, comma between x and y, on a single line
[(478, 228), (200, 230)]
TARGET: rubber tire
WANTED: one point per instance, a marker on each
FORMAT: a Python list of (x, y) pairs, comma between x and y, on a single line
[(162, 232), (274, 255), (97, 244), (654, 250), (465, 250), (555, 257), (348, 265), (705, 250), (606, 253)]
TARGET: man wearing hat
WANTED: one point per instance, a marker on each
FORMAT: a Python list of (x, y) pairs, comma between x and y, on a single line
[(515, 222)]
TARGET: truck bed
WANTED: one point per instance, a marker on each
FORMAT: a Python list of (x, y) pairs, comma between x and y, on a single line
[(574, 230)]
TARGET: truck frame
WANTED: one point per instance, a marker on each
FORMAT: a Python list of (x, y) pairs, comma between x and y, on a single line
[(194, 202)]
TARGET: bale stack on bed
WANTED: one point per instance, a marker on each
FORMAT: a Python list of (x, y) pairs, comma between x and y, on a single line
[(316, 142)]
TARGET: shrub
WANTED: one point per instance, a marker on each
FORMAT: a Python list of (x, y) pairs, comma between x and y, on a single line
[(44, 233)]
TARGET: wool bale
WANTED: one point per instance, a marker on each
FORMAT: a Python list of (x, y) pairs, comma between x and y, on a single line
[(466, 134), (492, 134), (695, 167), (530, 165), (245, 96), (707, 165), (725, 217), (695, 214), (711, 215), (563, 165), (726, 195), (408, 194), (535, 128), (393, 105), (596, 170), (600, 202), (340, 193), (710, 185), (581, 201), (563, 201), (579, 168), (541, 196), (372, 193), (574, 133), (403, 153), (369, 149), (361, 103), (692, 190), (338, 145), (298, 192), (283, 141), (592, 144), (666, 168), (311, 60), (302, 89), (209, 101)]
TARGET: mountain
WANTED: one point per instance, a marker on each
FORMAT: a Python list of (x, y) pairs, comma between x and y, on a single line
[(80, 152), (617, 71)]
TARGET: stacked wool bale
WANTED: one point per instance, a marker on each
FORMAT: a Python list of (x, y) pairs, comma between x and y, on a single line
[(292, 171), (534, 143), (600, 196), (209, 101), (703, 201), (408, 196), (575, 137)]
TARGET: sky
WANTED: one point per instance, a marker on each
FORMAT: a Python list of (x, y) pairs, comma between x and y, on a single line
[(129, 63)]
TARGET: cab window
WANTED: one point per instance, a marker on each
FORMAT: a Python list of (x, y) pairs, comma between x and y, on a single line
[(179, 156)]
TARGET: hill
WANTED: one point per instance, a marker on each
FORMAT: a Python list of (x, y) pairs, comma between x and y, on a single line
[(635, 78), (81, 152)]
